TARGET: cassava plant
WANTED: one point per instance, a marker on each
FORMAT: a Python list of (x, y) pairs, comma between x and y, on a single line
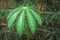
[(17, 17)]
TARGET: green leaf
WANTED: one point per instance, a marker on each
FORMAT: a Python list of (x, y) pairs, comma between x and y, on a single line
[(12, 18), (0, 14), (57, 37), (13, 11), (37, 17), (51, 37), (48, 34), (31, 22), (20, 24)]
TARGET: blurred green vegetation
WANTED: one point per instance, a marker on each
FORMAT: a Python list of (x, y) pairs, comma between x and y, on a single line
[(50, 13)]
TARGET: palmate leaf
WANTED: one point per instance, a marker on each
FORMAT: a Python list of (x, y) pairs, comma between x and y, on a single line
[(37, 17), (20, 24), (18, 16), (12, 18), (31, 21)]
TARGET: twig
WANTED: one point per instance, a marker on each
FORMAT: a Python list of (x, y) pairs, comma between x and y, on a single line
[(44, 30)]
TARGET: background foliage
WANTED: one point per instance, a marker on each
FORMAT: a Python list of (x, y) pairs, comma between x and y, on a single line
[(49, 30)]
